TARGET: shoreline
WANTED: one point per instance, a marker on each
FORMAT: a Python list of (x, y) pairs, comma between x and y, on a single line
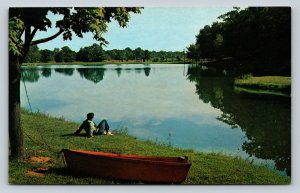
[(99, 63)]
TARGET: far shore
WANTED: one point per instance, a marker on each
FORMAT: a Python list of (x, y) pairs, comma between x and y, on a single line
[(105, 62)]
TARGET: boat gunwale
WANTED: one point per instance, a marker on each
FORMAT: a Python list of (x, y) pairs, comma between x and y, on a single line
[(151, 159)]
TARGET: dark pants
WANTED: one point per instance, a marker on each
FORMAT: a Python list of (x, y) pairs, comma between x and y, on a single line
[(101, 127)]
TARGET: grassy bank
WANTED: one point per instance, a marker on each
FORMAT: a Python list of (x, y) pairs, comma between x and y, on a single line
[(44, 136), (277, 85)]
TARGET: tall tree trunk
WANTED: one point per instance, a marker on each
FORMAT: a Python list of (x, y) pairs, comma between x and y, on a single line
[(15, 129)]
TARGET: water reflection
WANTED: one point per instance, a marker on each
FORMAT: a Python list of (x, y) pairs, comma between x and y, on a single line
[(93, 74), (138, 70), (30, 75), (147, 71), (65, 71), (46, 72), (265, 119), (119, 71)]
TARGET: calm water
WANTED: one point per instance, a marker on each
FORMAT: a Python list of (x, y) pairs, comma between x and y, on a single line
[(180, 105)]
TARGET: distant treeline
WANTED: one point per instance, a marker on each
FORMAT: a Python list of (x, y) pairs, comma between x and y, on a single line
[(255, 39), (95, 53)]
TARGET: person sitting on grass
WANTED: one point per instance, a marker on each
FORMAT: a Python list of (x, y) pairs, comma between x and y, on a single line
[(91, 129)]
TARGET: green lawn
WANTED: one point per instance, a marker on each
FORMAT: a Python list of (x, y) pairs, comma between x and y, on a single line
[(44, 136)]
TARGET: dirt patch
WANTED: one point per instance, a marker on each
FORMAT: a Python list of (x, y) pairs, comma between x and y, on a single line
[(34, 173), (40, 159), (39, 172)]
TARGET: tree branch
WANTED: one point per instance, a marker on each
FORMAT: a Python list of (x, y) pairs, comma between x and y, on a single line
[(46, 39), (33, 33)]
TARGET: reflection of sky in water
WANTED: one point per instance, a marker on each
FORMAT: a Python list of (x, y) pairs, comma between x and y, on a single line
[(156, 103)]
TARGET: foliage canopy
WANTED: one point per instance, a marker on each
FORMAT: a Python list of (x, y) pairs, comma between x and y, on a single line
[(27, 21), (255, 39)]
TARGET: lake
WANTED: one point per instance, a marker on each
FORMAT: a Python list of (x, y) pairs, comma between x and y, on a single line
[(185, 106)]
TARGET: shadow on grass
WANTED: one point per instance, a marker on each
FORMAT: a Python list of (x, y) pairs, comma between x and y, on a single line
[(67, 173), (109, 181), (58, 171), (73, 135)]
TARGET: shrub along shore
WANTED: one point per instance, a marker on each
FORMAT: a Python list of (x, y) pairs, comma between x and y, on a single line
[(45, 136)]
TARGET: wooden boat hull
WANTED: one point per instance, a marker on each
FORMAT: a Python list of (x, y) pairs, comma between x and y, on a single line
[(127, 167)]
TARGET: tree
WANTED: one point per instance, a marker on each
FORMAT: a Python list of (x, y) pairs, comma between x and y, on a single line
[(193, 52), (93, 53), (138, 53), (83, 55), (97, 53), (33, 54), (120, 55), (128, 54), (256, 40), (46, 55), (146, 56), (27, 22), (59, 57), (162, 56), (68, 55)]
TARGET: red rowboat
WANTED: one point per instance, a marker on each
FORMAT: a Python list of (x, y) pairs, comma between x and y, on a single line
[(127, 167)]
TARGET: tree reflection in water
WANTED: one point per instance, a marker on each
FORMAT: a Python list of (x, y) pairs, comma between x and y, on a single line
[(147, 71), (46, 72), (30, 74), (265, 119), (119, 71), (93, 74), (65, 71)]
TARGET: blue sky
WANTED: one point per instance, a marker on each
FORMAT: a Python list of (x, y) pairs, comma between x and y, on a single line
[(170, 29)]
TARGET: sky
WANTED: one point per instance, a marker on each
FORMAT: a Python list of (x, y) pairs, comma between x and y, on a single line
[(169, 29)]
